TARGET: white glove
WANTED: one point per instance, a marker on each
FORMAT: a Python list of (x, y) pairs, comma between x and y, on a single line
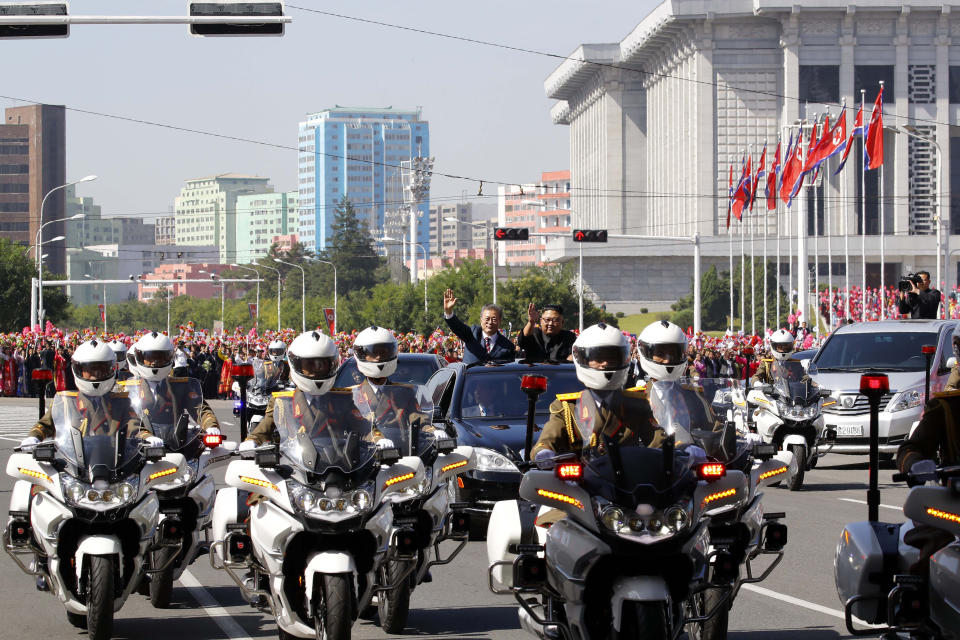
[(385, 443), (697, 454), (440, 434), (154, 441), (247, 445), (29, 443), (922, 471), (212, 431), (544, 454), (752, 437)]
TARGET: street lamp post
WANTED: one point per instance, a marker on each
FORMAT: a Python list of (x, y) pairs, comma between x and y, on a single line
[(334, 292), (303, 293), (426, 309), (478, 224), (238, 266), (39, 257)]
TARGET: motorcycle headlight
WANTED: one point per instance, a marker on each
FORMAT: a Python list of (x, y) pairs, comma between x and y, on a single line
[(361, 499), (677, 518), (75, 492), (313, 502), (80, 494), (907, 399), (306, 501), (489, 460), (126, 491), (612, 518)]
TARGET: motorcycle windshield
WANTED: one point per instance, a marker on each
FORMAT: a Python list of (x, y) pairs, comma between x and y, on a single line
[(397, 412), (91, 433), (641, 478), (171, 409), (680, 408), (320, 433), (791, 383)]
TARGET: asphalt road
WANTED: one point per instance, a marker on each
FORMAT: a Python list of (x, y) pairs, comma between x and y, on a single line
[(798, 600)]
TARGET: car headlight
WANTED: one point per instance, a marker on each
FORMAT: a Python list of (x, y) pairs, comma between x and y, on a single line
[(315, 502), (907, 399), (489, 460), (104, 496)]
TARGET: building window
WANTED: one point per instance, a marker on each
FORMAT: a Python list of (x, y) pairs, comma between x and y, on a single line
[(868, 77), (955, 85), (820, 83)]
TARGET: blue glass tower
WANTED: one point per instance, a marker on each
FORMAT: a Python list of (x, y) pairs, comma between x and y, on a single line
[(365, 154)]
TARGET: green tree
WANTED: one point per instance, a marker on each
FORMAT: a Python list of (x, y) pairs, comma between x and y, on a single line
[(16, 270), (350, 248), (714, 302)]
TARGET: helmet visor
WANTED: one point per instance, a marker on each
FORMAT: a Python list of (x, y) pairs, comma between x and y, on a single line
[(154, 359), (93, 371), (381, 352), (278, 351), (667, 353), (319, 368), (782, 347), (603, 358)]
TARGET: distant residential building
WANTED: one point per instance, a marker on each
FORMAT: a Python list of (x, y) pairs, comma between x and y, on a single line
[(519, 206), (186, 271), (94, 229), (33, 162), (447, 235), (364, 154), (482, 237), (206, 211), (166, 230), (260, 219), (285, 243)]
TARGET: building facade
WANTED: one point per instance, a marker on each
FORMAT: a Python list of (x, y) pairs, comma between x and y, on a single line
[(656, 120), (184, 271), (449, 235), (364, 154), (33, 144), (94, 229), (166, 230), (540, 208), (261, 219), (206, 212)]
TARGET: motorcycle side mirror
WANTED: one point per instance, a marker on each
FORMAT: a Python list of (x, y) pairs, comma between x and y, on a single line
[(825, 393), (267, 456), (153, 454), (437, 414), (757, 384), (388, 456), (764, 451), (446, 445), (46, 452)]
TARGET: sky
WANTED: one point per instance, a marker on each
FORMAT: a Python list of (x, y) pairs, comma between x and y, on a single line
[(488, 115)]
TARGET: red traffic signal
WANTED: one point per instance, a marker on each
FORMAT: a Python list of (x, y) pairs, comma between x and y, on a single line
[(511, 233), (589, 235)]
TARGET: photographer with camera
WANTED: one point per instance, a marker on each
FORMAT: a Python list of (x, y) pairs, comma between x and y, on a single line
[(917, 298)]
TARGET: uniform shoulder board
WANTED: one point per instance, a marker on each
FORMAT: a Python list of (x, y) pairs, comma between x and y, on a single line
[(69, 394), (172, 379), (639, 387), (341, 390), (119, 394), (636, 392), (283, 394), (566, 397), (129, 382), (768, 359), (952, 393)]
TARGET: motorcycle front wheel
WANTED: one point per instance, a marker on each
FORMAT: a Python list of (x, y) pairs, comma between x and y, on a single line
[(799, 451), (100, 598), (161, 584), (394, 605), (716, 627), (332, 619), (642, 621)]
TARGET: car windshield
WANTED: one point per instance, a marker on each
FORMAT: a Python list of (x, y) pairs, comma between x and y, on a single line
[(409, 371), (102, 449), (497, 394), (886, 351), (173, 411), (318, 433)]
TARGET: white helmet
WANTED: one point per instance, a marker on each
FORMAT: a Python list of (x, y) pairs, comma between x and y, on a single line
[(667, 343), (607, 348), (120, 351), (153, 357), (781, 344), (313, 360), (277, 351), (376, 352), (96, 360)]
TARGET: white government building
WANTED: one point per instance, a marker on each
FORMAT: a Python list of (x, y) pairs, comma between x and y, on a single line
[(656, 119)]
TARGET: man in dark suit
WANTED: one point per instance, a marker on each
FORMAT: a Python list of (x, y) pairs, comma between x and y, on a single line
[(483, 342), (547, 340)]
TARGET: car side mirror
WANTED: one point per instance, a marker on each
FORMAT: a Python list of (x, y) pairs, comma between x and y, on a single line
[(437, 414)]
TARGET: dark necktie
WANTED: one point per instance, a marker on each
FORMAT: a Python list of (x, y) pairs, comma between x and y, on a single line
[(487, 344)]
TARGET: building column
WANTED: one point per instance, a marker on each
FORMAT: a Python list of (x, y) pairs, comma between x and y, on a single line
[(900, 205), (942, 133), (705, 164), (848, 183)]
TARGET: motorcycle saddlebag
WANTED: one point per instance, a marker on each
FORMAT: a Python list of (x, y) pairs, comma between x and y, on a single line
[(864, 567)]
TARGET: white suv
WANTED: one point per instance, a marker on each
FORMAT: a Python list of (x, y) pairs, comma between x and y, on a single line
[(892, 347)]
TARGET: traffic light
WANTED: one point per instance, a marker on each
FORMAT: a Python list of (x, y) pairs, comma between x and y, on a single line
[(589, 235), (511, 233), (241, 9), (44, 30)]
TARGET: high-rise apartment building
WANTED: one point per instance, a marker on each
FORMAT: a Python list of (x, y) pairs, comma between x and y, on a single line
[(206, 211), (32, 163), (364, 154), (166, 230), (453, 233), (262, 219), (540, 208), (94, 229)]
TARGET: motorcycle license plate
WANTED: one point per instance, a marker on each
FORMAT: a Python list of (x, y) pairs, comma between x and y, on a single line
[(849, 430)]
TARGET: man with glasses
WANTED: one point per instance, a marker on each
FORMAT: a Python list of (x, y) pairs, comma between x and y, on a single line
[(547, 340)]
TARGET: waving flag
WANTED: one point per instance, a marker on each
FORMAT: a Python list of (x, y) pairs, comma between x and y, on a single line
[(772, 175), (857, 131), (813, 149), (832, 141), (874, 147), (792, 171), (741, 197), (761, 171)]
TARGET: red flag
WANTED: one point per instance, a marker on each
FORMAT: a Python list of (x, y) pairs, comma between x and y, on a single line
[(103, 311), (792, 171), (331, 320), (760, 173), (813, 150), (772, 180), (252, 308), (874, 147), (857, 131), (742, 195)]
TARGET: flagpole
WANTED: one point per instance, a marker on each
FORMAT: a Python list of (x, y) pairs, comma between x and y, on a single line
[(730, 237), (826, 224), (817, 211), (776, 215), (880, 194), (863, 208), (848, 308), (743, 281), (766, 228)]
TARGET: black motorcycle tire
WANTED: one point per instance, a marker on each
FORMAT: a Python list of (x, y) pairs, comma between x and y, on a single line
[(77, 620), (795, 482), (100, 598), (161, 584), (642, 621), (333, 616), (716, 627), (394, 605)]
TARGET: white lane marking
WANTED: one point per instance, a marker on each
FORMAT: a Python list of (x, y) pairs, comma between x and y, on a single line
[(212, 608), (229, 424), (885, 506), (836, 613)]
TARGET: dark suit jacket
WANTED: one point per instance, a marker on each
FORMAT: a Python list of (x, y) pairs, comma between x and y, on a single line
[(539, 347), (502, 351)]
